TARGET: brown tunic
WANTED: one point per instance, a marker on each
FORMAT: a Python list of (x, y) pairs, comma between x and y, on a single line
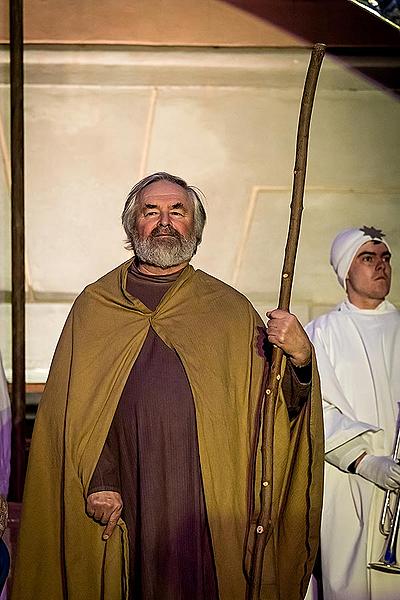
[(151, 457)]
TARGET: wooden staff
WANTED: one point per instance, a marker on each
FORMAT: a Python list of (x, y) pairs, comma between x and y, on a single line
[(18, 250), (264, 528)]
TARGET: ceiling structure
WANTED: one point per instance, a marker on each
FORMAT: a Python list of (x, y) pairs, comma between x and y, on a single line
[(358, 37), (337, 23), (145, 22), (388, 10)]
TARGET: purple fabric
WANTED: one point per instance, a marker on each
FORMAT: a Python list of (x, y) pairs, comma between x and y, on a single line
[(151, 456), (5, 450), (5, 433)]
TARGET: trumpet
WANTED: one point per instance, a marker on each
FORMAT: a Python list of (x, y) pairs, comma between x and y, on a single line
[(390, 522)]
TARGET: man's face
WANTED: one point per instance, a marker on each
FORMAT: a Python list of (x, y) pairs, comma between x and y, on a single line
[(164, 204), (164, 235), (369, 277)]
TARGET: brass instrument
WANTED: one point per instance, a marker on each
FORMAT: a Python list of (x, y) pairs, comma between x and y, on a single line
[(390, 522)]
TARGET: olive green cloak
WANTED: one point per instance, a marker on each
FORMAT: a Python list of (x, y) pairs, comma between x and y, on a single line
[(214, 330)]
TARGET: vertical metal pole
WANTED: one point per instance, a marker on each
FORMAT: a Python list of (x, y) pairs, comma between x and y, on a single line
[(18, 250)]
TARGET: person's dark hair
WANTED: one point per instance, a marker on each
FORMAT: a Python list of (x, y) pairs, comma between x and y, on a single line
[(130, 212)]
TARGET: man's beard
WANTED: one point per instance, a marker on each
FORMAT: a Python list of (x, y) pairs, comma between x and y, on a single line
[(164, 251)]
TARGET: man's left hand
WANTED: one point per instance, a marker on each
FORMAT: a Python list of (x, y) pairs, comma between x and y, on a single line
[(284, 330), (105, 507)]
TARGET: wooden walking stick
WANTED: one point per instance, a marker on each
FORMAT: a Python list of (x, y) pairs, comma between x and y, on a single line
[(264, 529)]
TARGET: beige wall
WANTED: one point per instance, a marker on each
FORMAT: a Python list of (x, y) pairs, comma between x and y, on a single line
[(98, 119)]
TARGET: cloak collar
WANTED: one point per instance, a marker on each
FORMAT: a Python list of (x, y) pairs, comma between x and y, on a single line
[(135, 304)]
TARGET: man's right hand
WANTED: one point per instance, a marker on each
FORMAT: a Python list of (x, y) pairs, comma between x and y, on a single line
[(381, 470), (105, 507)]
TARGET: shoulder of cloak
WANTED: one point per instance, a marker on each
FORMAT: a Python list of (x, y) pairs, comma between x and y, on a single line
[(110, 286), (209, 286), (192, 285)]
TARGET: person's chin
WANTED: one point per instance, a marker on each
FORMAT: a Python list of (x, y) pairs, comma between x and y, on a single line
[(382, 288)]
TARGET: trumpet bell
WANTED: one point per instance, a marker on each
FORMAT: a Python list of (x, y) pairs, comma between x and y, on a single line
[(390, 520)]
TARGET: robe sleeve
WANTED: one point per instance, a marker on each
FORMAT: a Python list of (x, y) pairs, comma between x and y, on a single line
[(343, 456), (340, 424), (296, 382), (296, 387), (106, 474)]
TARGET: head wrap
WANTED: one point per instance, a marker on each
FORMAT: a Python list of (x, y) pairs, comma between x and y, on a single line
[(345, 247)]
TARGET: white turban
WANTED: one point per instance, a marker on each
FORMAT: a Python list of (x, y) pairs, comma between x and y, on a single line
[(345, 247)]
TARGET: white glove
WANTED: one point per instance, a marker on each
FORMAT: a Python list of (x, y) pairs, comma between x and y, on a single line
[(381, 470)]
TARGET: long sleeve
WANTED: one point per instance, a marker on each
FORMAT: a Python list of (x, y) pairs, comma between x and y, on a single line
[(296, 386), (340, 421), (106, 474), (296, 382), (343, 456)]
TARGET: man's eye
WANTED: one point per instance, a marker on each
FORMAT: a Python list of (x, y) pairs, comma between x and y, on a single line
[(176, 213), (367, 258), (150, 213)]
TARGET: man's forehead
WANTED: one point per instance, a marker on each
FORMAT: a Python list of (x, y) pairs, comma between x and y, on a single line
[(373, 248), (164, 190)]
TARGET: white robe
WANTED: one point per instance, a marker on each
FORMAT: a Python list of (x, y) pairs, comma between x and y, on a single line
[(358, 355)]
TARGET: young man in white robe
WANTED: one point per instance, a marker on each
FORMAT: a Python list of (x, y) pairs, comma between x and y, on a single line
[(358, 355)]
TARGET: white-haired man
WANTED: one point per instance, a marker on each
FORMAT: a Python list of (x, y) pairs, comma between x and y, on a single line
[(358, 354), (151, 419)]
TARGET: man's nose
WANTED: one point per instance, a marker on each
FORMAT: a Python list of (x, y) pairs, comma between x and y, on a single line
[(380, 264), (164, 219)]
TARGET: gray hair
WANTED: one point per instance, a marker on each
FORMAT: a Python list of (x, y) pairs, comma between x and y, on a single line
[(130, 212)]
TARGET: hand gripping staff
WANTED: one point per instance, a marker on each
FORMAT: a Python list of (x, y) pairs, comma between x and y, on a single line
[(264, 529)]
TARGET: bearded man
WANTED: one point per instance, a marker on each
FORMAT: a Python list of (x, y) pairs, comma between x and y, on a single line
[(144, 475), (358, 353)]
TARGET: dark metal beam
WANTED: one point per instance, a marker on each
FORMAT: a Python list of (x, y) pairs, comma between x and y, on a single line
[(18, 250)]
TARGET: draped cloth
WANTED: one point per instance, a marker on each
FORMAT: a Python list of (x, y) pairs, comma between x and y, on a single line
[(358, 355), (5, 464), (214, 330), (5, 433), (151, 458)]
